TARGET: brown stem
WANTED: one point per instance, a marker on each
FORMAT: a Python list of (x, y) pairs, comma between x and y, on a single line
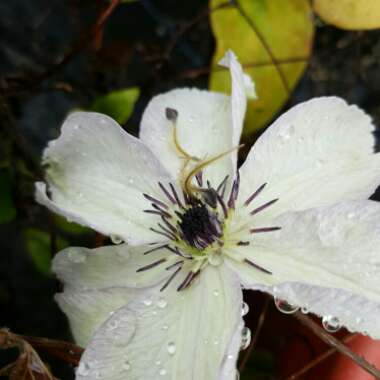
[(336, 344), (319, 359), (94, 31), (259, 326), (68, 352)]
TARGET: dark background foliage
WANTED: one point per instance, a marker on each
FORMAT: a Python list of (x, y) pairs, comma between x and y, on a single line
[(51, 62)]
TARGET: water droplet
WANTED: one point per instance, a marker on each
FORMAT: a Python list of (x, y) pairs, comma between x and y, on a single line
[(359, 320), (76, 126), (171, 348), (230, 357), (245, 338), (330, 323), (161, 303), (147, 302), (116, 239), (350, 215), (76, 256), (126, 365), (112, 325), (304, 310), (215, 293), (244, 309), (165, 327), (162, 372), (83, 369), (158, 362), (284, 306), (131, 181), (216, 342), (215, 259)]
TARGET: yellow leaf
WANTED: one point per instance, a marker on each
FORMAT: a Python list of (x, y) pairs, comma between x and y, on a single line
[(349, 14), (273, 40)]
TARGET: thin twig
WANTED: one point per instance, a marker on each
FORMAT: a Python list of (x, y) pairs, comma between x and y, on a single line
[(259, 326), (338, 345), (319, 359), (68, 352), (73, 52), (185, 28)]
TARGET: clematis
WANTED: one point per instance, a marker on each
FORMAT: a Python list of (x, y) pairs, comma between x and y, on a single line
[(294, 221)]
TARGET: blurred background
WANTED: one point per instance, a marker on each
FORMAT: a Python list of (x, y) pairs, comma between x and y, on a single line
[(112, 57)]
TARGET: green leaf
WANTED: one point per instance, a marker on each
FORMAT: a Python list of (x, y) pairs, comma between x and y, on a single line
[(37, 243), (273, 41), (349, 14), (70, 227), (117, 104), (7, 209)]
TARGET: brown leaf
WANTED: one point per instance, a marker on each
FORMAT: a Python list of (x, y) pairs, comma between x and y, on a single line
[(28, 365)]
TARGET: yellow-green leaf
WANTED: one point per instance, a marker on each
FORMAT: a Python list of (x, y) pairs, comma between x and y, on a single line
[(349, 14), (117, 104), (258, 31), (37, 245)]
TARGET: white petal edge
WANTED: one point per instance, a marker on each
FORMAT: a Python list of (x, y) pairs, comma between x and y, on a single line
[(111, 266), (203, 131), (316, 154), (87, 310), (326, 260), (242, 88), (174, 335), (97, 174)]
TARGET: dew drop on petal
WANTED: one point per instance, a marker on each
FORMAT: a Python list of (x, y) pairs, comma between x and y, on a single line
[(158, 362), (245, 338), (304, 310), (330, 323), (171, 348), (126, 365), (76, 256), (147, 302), (162, 372), (112, 325), (284, 306), (165, 327), (244, 309), (116, 239), (83, 369), (162, 303), (215, 293), (216, 342)]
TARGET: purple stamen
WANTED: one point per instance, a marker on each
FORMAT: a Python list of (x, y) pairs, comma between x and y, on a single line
[(257, 266), (152, 265), (155, 249), (234, 191), (170, 279), (175, 195), (174, 265), (263, 207), (163, 234), (254, 195), (168, 195), (221, 189), (155, 201), (199, 178), (263, 229)]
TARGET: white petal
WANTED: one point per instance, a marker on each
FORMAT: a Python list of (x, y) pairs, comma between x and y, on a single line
[(113, 266), (88, 309), (327, 260), (97, 174), (242, 87), (203, 130), (172, 335), (318, 153)]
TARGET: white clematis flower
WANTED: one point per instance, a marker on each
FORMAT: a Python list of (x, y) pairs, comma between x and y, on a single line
[(294, 222)]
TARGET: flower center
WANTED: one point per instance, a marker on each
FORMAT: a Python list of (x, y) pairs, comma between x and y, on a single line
[(199, 226), (195, 220)]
